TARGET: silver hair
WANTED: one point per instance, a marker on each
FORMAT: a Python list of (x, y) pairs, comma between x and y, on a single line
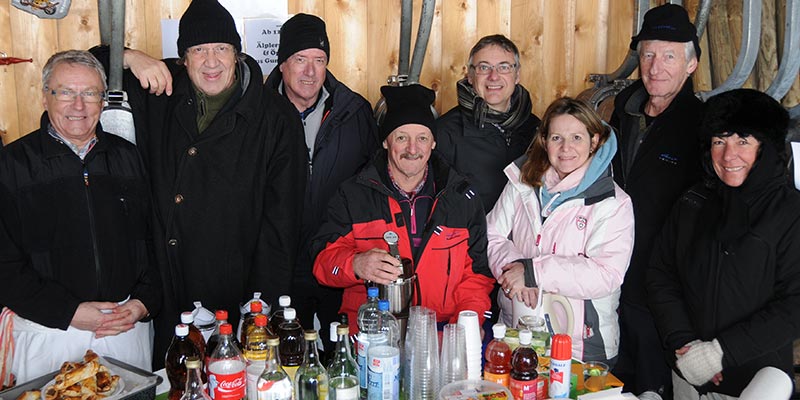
[(499, 41), (688, 50), (74, 57)]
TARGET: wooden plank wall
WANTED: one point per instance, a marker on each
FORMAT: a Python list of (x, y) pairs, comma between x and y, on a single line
[(560, 43)]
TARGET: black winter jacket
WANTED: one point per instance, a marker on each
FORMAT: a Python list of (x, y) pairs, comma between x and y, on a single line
[(227, 200), (481, 154), (73, 231), (347, 139), (667, 164), (743, 292)]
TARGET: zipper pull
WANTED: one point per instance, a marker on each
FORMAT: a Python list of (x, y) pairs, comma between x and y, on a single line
[(85, 176)]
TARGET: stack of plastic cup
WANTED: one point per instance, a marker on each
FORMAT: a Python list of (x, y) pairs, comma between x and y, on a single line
[(472, 337), (453, 362), (421, 364)]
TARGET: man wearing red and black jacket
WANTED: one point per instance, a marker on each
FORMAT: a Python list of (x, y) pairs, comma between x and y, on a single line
[(438, 217)]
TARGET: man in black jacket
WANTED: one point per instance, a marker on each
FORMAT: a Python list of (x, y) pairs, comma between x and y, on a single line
[(656, 120), (75, 251), (228, 170), (340, 135)]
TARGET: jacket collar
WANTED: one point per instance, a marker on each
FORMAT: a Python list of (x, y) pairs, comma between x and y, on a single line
[(639, 97), (376, 175), (52, 147)]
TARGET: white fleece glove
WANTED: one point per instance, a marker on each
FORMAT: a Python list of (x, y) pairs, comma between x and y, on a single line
[(701, 362)]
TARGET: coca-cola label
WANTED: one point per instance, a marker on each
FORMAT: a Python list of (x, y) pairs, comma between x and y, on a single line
[(227, 386)]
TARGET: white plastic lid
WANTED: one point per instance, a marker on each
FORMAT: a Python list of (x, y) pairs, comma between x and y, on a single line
[(525, 337), (181, 330), (187, 317), (289, 313), (499, 330), (333, 336), (284, 301)]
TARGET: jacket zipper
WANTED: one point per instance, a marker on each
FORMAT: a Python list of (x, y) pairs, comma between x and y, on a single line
[(92, 229), (447, 283)]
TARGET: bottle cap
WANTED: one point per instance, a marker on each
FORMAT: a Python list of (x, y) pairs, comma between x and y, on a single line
[(372, 291), (187, 317), (221, 315), (333, 331), (284, 301), (343, 329), (561, 347), (499, 330), (525, 337), (383, 305), (273, 341), (289, 314), (192, 363), (261, 320), (255, 306), (181, 330), (225, 329), (310, 335)]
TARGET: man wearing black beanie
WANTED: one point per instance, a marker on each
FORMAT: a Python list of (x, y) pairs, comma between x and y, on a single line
[(434, 213), (340, 136), (227, 167)]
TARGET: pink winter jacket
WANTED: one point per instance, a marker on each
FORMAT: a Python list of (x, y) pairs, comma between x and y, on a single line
[(581, 252)]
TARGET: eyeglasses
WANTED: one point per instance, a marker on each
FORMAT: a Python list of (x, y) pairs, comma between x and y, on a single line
[(486, 68), (202, 52), (70, 95)]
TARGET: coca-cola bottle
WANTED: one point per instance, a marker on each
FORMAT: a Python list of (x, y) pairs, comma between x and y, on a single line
[(226, 368), (213, 340), (195, 335), (178, 351), (194, 385)]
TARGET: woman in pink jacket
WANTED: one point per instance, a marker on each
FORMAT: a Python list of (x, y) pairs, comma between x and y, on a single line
[(562, 226)]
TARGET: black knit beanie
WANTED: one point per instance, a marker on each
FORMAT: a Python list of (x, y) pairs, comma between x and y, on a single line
[(207, 21), (303, 31), (746, 112), (670, 23), (407, 105)]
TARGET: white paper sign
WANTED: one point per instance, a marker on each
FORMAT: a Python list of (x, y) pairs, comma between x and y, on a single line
[(796, 163), (262, 36)]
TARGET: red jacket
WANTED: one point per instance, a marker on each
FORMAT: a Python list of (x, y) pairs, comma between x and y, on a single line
[(452, 269)]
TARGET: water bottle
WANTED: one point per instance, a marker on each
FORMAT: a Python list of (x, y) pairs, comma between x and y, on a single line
[(388, 324), (384, 373), (368, 313)]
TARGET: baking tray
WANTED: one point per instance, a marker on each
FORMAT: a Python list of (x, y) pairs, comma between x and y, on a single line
[(139, 384)]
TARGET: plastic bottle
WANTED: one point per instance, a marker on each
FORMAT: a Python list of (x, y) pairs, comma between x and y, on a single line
[(194, 384), (277, 317), (195, 335), (291, 347), (255, 352), (213, 340), (226, 368), (384, 373), (343, 370), (560, 366), (311, 380), (368, 313), (498, 357), (523, 382), (388, 324), (180, 349), (248, 321), (274, 383)]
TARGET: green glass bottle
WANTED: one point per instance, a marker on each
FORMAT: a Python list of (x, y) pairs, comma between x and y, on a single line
[(311, 380), (343, 371)]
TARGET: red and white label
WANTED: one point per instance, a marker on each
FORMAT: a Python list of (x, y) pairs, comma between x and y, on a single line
[(228, 387)]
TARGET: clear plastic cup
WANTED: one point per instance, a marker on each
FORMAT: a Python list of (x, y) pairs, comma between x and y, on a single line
[(595, 374)]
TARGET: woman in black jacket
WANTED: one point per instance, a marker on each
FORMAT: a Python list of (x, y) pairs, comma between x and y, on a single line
[(724, 280)]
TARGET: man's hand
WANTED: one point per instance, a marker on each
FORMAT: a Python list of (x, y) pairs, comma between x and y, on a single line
[(152, 74), (129, 313), (378, 266), (91, 315)]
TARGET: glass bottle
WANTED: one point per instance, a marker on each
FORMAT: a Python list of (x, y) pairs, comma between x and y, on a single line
[(274, 383), (311, 381), (343, 371), (194, 384)]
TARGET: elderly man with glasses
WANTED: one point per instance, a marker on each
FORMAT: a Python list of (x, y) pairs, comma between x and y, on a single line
[(75, 257)]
